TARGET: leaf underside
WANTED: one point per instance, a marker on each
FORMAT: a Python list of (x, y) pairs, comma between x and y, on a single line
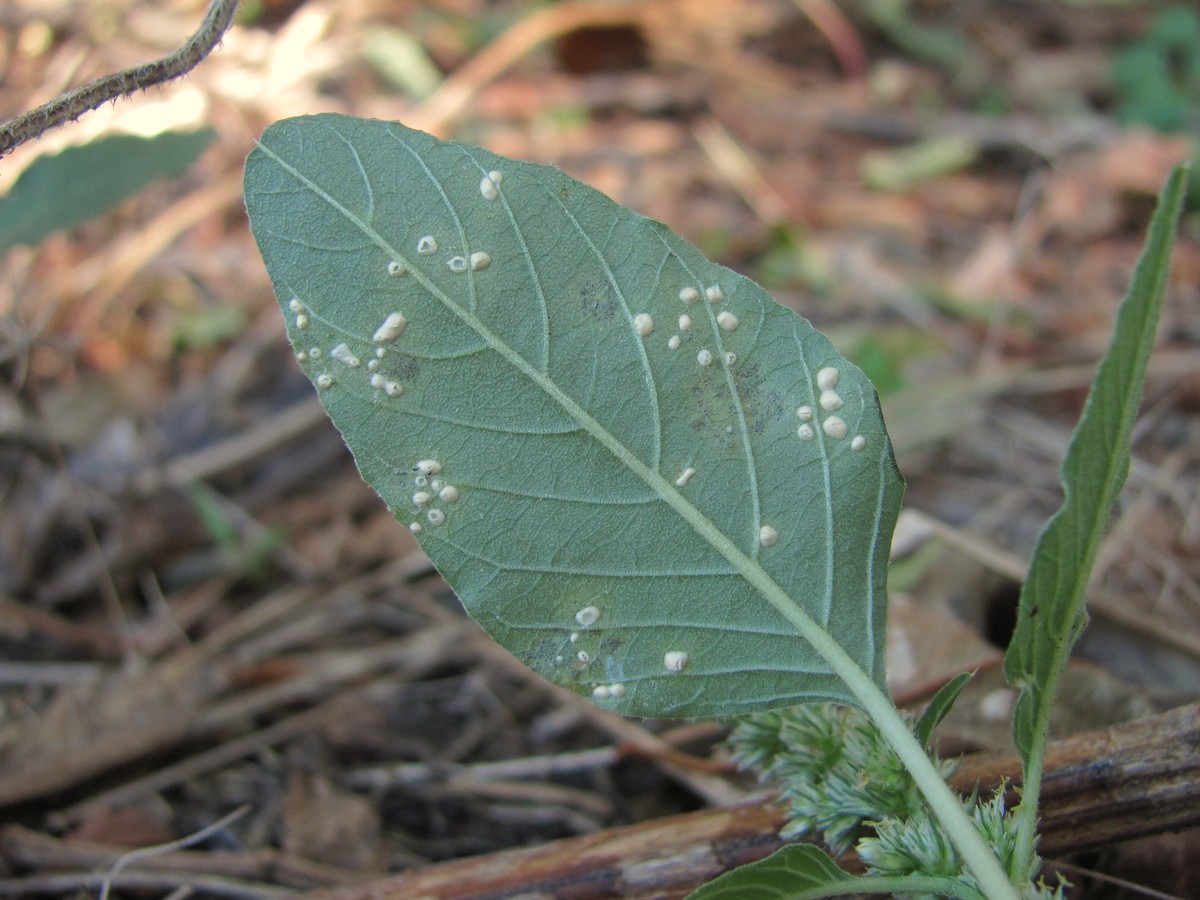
[(616, 477)]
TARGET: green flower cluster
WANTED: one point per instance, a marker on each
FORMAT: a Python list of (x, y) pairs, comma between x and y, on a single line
[(840, 777), (837, 770)]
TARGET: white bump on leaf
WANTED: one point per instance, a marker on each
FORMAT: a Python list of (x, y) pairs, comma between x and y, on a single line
[(449, 494), (835, 427), (805, 432), (730, 358), (421, 498), (378, 381), (831, 400), (435, 517), (858, 443), (767, 536), (343, 354), (827, 378), (584, 657), (675, 660), (675, 342), (685, 476), (480, 260), (428, 467), (457, 264), (488, 185), (427, 246), (714, 293), (685, 323), (704, 357), (314, 352), (295, 305), (396, 268), (589, 615), (689, 295), (301, 356), (728, 321), (616, 690), (804, 413), (393, 388), (600, 692), (372, 365), (415, 527), (324, 381), (392, 328), (643, 323), (301, 321)]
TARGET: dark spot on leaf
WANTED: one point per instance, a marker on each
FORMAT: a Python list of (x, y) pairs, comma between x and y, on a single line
[(597, 300), (611, 644), (759, 404), (715, 411), (404, 368), (541, 658)]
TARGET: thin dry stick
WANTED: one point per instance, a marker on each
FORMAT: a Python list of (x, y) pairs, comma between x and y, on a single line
[(70, 106), (159, 849)]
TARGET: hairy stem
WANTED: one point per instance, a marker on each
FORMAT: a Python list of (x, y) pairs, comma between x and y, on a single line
[(70, 106)]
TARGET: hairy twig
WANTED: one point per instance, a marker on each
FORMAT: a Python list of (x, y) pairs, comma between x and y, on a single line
[(70, 106)]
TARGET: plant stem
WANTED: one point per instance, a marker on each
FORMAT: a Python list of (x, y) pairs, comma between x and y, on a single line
[(946, 806)]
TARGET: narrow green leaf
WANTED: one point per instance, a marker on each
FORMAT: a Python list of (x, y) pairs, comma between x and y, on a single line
[(1052, 611), (805, 872), (64, 190), (622, 496), (943, 701)]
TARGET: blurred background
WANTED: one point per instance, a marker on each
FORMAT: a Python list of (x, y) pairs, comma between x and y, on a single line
[(203, 607)]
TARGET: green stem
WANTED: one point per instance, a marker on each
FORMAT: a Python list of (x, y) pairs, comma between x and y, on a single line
[(1031, 790), (946, 806)]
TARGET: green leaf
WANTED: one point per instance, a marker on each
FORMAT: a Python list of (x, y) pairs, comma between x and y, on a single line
[(805, 872), (64, 190), (795, 871), (1052, 610), (624, 509), (942, 702)]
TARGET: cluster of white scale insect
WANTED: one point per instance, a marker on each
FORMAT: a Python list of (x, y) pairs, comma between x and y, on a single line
[(432, 494)]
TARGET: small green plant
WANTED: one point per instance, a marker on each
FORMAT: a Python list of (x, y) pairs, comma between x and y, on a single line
[(1157, 78), (658, 487)]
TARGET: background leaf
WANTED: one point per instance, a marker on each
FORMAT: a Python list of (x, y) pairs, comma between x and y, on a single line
[(805, 872), (622, 498), (941, 704), (798, 870), (69, 188)]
